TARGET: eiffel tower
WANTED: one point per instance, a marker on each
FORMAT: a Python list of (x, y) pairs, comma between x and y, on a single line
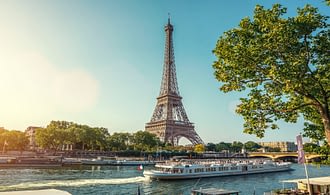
[(169, 120)]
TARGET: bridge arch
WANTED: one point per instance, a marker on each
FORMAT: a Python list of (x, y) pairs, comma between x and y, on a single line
[(279, 155)]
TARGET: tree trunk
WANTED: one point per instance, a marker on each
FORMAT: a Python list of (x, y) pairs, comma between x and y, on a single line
[(325, 114), (327, 135)]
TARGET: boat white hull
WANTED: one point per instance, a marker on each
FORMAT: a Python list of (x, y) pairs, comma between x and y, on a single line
[(174, 176)]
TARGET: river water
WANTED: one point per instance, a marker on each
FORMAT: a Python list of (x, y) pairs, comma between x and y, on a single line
[(115, 180)]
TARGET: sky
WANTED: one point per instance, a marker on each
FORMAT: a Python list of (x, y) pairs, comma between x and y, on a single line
[(100, 63)]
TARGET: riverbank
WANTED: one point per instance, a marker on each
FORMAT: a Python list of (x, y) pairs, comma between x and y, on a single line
[(58, 161)]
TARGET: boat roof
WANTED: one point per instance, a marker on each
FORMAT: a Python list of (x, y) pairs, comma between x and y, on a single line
[(214, 191), (315, 181)]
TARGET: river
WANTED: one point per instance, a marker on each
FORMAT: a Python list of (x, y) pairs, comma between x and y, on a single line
[(115, 180)]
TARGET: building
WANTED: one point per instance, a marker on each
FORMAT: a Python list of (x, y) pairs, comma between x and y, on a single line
[(30, 133), (283, 146)]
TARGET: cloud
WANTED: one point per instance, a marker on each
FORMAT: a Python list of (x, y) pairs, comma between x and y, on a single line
[(32, 86)]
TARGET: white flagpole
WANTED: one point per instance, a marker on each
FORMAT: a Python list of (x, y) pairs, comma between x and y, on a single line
[(308, 185), (302, 159)]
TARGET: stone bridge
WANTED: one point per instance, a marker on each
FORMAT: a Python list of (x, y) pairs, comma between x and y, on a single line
[(277, 155)]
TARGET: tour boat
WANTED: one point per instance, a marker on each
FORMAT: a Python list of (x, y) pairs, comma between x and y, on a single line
[(201, 168)]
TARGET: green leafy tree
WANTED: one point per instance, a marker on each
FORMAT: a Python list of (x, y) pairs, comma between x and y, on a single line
[(86, 136), (210, 147), (101, 137), (251, 146), (58, 133), (143, 140), (310, 147), (74, 136), (13, 140), (236, 146), (272, 149), (119, 141), (222, 146), (53, 137), (284, 65)]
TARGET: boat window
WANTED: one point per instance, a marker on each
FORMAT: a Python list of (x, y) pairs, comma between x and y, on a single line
[(197, 170)]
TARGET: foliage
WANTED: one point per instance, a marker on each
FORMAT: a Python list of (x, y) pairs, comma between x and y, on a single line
[(143, 140), (51, 137), (210, 147), (119, 141), (199, 148), (284, 65), (13, 140), (237, 146), (222, 146), (325, 152), (84, 137), (58, 133), (251, 146), (270, 149), (311, 147)]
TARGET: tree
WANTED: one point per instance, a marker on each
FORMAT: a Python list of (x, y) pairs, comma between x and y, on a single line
[(199, 148), (251, 146), (13, 140), (222, 146), (101, 137), (58, 133), (51, 137), (119, 141), (237, 146), (284, 65), (210, 147), (311, 147), (144, 140)]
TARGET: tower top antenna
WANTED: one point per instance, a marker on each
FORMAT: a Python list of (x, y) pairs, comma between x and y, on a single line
[(169, 18)]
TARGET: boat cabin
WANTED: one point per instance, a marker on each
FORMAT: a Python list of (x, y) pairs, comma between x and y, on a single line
[(213, 191)]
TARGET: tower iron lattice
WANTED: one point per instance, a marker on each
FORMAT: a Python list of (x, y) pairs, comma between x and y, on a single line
[(169, 120)]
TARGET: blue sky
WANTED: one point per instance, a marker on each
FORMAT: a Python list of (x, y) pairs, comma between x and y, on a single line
[(100, 63)]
